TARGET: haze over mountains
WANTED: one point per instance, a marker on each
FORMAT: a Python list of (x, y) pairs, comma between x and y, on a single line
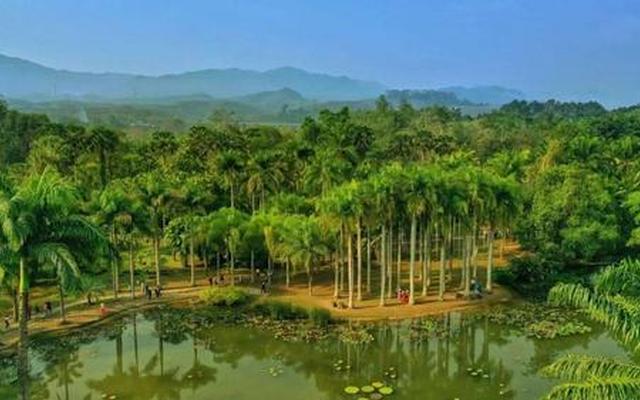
[(24, 80)]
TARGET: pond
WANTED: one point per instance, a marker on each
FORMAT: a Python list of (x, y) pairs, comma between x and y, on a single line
[(136, 358)]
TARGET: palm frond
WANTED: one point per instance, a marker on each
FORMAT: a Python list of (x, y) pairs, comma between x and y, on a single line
[(621, 278), (577, 368), (618, 313), (597, 389)]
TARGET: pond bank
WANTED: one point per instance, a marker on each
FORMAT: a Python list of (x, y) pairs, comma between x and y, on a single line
[(80, 315)]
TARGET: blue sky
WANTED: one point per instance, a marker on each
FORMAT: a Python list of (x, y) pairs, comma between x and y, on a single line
[(564, 47)]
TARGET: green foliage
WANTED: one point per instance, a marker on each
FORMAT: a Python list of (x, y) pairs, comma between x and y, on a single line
[(530, 275), (613, 302), (320, 316), (593, 378), (279, 310), (228, 296)]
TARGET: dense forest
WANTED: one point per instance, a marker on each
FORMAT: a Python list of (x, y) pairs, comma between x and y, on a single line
[(351, 191)]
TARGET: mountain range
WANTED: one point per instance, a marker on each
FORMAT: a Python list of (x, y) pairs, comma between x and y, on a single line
[(28, 81)]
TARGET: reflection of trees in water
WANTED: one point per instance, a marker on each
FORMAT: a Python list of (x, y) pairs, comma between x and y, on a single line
[(67, 369), (546, 351), (153, 381), (436, 367)]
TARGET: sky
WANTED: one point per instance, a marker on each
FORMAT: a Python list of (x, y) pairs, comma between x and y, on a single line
[(572, 48)]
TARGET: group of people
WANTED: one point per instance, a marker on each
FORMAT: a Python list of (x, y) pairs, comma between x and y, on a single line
[(150, 292), (218, 280), (403, 296)]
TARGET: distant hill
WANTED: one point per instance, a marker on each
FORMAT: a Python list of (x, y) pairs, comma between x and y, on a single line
[(493, 95), (426, 98), (22, 79)]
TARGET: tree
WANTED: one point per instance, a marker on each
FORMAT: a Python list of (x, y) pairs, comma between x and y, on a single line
[(43, 226), (304, 244), (103, 142), (612, 301), (156, 195)]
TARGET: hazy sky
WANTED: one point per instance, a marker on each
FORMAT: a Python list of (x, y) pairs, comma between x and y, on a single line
[(571, 47)]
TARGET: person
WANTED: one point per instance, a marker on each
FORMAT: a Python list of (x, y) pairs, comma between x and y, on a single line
[(476, 289), (7, 323), (263, 286), (148, 293), (48, 309), (210, 281), (103, 309), (158, 291)]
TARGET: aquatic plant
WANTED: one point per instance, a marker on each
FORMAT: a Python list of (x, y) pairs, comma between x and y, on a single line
[(225, 296)]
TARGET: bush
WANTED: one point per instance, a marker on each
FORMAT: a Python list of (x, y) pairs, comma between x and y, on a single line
[(281, 310), (320, 316), (533, 276), (530, 275), (225, 296)]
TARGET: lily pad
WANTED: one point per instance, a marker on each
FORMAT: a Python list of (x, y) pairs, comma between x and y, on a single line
[(367, 389), (377, 385), (386, 390), (352, 390)]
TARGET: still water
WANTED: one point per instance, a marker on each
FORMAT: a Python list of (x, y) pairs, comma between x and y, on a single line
[(131, 360)]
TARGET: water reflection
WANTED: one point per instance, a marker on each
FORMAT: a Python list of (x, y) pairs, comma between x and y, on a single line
[(156, 355)]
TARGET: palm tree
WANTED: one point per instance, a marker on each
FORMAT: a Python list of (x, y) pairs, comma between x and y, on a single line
[(229, 165), (305, 244), (500, 212), (155, 195), (613, 301), (43, 227), (420, 198), (344, 203), (102, 142)]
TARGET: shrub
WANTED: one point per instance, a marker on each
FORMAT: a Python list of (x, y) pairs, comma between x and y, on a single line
[(530, 275), (225, 296), (281, 310), (320, 316)]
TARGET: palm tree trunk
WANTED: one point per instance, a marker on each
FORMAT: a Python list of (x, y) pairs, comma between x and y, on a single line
[(131, 271), (390, 262), (474, 248), (23, 345), (467, 266), (192, 262), (350, 268), (156, 257), (443, 256), (490, 260), (359, 259), (399, 260), (412, 259), (341, 248), (450, 249), (231, 195), (336, 278), (383, 262), (233, 268), (426, 273), (116, 272), (368, 260), (16, 304), (309, 277), (252, 264), (287, 273), (63, 310)]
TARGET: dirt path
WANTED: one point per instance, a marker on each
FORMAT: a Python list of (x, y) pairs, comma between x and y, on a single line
[(369, 308), (176, 292)]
